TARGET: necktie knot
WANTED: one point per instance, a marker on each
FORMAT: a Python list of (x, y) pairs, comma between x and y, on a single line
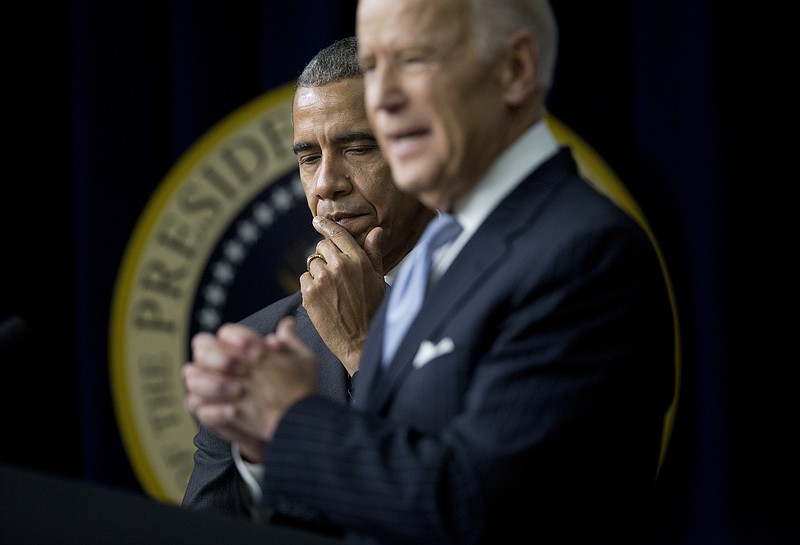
[(442, 229), (406, 296)]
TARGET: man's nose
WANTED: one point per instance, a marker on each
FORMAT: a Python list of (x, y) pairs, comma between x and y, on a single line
[(332, 180)]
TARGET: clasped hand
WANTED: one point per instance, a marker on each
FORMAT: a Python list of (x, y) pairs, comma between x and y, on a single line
[(240, 384)]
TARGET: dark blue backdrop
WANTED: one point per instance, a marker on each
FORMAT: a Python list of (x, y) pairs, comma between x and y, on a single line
[(104, 97)]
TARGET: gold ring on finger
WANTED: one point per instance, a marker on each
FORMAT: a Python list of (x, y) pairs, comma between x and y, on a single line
[(311, 258)]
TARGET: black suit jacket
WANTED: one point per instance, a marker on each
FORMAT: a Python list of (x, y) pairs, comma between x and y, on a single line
[(215, 482), (526, 401)]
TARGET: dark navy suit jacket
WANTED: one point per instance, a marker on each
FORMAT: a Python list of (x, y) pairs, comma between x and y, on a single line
[(215, 482), (525, 403)]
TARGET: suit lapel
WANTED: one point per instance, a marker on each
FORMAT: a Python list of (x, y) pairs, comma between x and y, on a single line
[(482, 255), (441, 304), (333, 381)]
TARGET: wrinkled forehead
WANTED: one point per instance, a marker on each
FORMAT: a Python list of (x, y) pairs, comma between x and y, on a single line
[(337, 107), (345, 94), (385, 26)]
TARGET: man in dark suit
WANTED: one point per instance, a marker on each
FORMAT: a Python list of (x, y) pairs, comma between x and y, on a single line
[(526, 400), (345, 179)]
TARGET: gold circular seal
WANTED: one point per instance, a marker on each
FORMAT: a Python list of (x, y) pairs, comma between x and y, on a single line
[(233, 188), (177, 265)]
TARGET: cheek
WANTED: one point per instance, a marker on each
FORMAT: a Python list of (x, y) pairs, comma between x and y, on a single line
[(401, 208), (311, 200), (384, 202), (455, 106), (461, 123), (377, 186), (452, 123)]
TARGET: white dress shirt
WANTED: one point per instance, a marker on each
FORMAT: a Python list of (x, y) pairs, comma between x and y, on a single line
[(531, 149)]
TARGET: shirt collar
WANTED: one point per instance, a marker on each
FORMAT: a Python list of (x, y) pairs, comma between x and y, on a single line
[(391, 275), (530, 150)]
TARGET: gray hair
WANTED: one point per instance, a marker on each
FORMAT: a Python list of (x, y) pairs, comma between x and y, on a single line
[(336, 62), (497, 20)]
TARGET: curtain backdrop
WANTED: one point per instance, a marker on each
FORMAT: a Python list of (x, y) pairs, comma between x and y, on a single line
[(106, 97)]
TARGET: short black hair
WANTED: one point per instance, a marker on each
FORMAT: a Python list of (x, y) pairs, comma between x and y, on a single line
[(336, 62)]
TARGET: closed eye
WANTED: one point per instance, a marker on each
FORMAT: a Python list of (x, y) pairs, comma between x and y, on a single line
[(361, 150), (308, 159)]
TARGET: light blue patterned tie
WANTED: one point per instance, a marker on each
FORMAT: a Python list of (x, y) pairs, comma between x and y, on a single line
[(405, 297)]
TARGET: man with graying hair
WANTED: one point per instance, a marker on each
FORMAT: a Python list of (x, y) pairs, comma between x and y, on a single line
[(523, 399), (372, 227)]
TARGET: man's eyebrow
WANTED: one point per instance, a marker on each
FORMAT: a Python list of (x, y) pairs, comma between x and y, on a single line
[(355, 137), (301, 146)]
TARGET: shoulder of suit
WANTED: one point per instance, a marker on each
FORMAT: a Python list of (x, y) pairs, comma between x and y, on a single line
[(266, 319)]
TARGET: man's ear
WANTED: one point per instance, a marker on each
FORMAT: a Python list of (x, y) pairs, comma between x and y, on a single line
[(520, 68)]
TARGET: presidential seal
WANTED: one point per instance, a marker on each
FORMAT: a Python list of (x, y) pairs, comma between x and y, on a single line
[(226, 233)]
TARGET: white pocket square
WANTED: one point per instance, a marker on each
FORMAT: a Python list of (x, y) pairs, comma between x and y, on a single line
[(427, 351)]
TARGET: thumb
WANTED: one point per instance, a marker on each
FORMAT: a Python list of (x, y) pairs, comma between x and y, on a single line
[(372, 247), (285, 331), (286, 338)]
